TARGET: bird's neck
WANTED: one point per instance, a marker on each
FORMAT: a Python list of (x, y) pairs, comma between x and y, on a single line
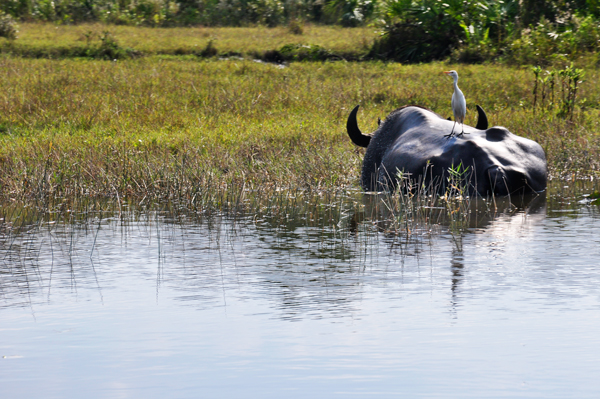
[(456, 84)]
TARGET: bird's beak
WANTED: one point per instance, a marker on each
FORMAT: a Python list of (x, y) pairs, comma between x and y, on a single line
[(447, 72)]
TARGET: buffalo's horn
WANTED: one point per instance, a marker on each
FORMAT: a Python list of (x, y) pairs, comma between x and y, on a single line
[(482, 122), (354, 132)]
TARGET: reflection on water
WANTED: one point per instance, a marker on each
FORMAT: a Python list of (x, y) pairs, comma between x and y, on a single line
[(315, 299)]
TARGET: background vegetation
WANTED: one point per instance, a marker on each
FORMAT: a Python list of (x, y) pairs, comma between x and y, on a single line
[(516, 31), (191, 12)]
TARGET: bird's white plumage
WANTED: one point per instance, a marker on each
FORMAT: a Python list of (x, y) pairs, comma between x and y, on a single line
[(459, 103)]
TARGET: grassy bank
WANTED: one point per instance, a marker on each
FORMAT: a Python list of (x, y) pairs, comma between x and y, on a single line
[(38, 40), (189, 130)]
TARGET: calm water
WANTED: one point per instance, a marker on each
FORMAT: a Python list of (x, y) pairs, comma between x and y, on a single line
[(152, 306)]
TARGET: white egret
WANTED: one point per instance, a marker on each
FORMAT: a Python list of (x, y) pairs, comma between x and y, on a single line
[(459, 104)]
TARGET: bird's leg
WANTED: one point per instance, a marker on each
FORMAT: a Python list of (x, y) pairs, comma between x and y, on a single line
[(451, 133), (463, 131)]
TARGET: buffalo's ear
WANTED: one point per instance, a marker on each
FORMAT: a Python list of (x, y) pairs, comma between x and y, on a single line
[(449, 118), (482, 121), (378, 121)]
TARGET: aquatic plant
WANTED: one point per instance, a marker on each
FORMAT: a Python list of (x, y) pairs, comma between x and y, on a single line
[(568, 84)]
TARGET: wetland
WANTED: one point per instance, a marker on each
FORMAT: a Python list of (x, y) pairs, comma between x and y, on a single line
[(175, 224)]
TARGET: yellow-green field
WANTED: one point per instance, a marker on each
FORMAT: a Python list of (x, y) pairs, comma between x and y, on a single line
[(185, 129), (49, 39)]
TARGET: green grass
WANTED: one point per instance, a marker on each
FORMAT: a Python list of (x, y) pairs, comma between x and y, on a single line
[(194, 130)]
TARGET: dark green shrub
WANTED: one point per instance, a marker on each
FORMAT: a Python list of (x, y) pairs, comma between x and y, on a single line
[(349, 12), (557, 89), (549, 42), (210, 50), (302, 52), (105, 48), (109, 48), (273, 56), (8, 26), (410, 42), (419, 32), (295, 27)]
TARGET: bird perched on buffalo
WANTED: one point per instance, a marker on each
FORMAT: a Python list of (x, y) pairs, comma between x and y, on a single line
[(459, 104)]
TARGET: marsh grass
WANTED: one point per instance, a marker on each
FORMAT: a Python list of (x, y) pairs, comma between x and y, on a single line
[(344, 215), (420, 205), (46, 247), (181, 130)]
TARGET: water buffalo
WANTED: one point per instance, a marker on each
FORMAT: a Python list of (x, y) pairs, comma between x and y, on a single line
[(410, 142)]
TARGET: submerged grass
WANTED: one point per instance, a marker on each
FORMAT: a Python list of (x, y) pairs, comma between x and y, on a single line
[(339, 220)]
